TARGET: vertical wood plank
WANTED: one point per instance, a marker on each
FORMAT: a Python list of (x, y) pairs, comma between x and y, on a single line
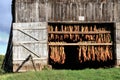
[(115, 12), (35, 10), (118, 12), (93, 10)]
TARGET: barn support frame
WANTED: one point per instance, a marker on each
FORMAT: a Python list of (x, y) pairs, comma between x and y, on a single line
[(117, 43)]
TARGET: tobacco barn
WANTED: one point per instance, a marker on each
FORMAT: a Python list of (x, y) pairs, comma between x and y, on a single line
[(66, 34)]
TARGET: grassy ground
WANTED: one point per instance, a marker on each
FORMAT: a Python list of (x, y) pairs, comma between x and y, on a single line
[(86, 74)]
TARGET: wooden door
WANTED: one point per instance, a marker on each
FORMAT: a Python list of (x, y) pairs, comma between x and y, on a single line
[(29, 46)]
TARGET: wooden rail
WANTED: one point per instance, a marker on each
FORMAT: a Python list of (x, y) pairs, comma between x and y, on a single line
[(79, 22), (77, 32), (78, 44)]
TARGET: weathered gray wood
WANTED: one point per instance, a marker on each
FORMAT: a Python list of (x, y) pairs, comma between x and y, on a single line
[(34, 11), (30, 39), (117, 36), (29, 50), (28, 66), (117, 41), (117, 33), (118, 54), (118, 12), (117, 26)]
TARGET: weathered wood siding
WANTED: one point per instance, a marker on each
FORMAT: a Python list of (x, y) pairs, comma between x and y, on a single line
[(28, 40), (29, 34), (117, 41), (90, 10), (30, 11), (67, 10)]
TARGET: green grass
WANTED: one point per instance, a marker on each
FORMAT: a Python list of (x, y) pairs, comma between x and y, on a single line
[(86, 74)]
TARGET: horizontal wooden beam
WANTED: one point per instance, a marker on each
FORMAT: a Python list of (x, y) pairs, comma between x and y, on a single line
[(78, 32), (78, 44), (33, 59), (81, 22), (33, 28), (29, 42)]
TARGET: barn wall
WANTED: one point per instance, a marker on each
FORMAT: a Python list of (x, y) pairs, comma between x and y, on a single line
[(30, 11), (67, 10), (32, 15), (29, 46)]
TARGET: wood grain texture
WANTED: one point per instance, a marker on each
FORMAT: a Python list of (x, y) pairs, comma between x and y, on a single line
[(71, 10), (28, 40)]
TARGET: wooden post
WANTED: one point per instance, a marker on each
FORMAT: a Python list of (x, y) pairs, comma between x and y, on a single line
[(36, 10), (117, 41), (46, 10)]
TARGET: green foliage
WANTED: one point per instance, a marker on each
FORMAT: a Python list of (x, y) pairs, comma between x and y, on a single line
[(86, 74), (47, 67), (2, 71), (1, 61)]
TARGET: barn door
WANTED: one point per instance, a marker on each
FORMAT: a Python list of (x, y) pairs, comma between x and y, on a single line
[(29, 46)]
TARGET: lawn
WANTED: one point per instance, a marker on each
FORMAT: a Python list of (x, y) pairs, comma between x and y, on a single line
[(86, 74)]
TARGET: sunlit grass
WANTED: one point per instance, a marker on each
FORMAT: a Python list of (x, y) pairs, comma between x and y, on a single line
[(86, 74)]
